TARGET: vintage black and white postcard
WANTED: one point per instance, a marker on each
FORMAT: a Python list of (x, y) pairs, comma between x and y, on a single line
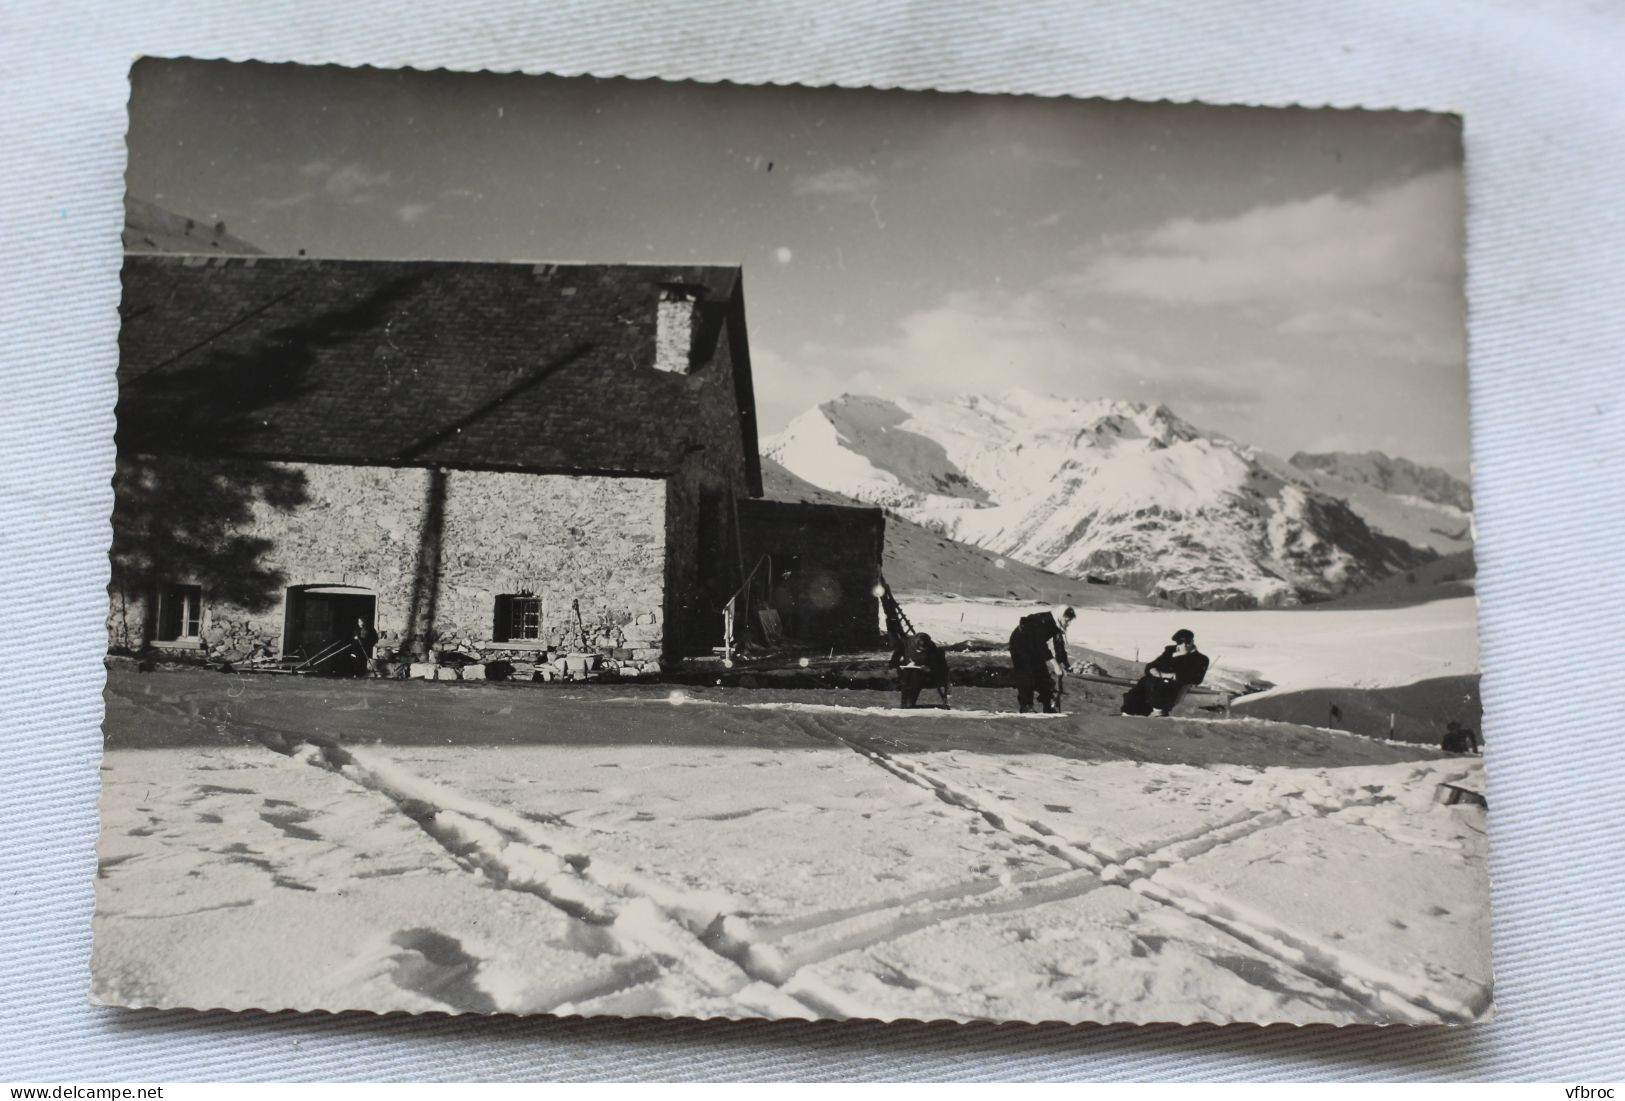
[(596, 546)]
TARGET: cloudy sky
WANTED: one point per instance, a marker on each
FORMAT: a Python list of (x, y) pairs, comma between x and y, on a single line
[(1292, 278)]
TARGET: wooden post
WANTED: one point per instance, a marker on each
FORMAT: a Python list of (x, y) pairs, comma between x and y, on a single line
[(739, 540)]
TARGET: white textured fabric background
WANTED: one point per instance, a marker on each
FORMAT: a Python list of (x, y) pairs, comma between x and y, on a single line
[(1542, 86)]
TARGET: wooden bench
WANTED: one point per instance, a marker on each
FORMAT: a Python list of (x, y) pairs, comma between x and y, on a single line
[(1220, 699)]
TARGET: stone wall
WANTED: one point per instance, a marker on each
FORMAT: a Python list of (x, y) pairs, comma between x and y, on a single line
[(438, 548)]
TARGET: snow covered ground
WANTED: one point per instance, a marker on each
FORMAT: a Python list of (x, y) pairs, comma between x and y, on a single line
[(722, 858), (1295, 649)]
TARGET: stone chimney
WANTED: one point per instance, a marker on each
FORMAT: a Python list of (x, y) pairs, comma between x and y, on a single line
[(676, 315)]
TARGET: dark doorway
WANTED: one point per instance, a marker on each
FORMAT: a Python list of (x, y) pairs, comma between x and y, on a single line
[(320, 615), (718, 557)]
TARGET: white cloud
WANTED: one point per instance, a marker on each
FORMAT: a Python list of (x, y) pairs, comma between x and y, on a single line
[(987, 342), (282, 202), (1378, 275), (353, 180), (850, 182), (1311, 254), (1338, 319), (786, 388), (1282, 326), (350, 183)]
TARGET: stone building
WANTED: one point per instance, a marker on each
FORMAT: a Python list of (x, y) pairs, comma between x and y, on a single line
[(493, 457)]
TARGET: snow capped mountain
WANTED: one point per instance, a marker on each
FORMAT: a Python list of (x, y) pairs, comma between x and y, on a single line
[(1391, 475), (1120, 490), (1422, 505)]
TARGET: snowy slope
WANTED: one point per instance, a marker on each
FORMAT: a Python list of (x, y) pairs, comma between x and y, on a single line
[(1298, 649), (148, 227), (1121, 490), (1421, 505), (919, 560), (685, 858)]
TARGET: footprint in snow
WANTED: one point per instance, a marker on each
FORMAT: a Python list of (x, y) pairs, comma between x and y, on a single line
[(288, 822), (437, 966), (1147, 944), (103, 866)]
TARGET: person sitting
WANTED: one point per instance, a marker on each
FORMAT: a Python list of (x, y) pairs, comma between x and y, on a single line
[(1038, 655), (1459, 739), (1174, 672), (920, 663)]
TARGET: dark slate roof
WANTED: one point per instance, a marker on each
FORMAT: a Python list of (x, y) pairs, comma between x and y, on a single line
[(535, 367)]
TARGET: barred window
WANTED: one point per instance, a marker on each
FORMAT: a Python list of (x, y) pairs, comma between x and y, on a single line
[(518, 618)]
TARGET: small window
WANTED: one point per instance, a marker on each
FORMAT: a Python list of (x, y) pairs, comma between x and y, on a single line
[(518, 618), (180, 613)]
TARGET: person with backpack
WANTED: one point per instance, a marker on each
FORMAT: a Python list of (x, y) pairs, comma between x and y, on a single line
[(1038, 655), (920, 664), (919, 661), (1167, 678)]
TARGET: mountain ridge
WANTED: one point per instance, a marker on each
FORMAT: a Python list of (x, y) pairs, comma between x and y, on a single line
[(1125, 491), (149, 227), (917, 561), (1391, 474)]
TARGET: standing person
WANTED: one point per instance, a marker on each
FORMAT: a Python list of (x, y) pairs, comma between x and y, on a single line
[(365, 640), (1458, 738), (1168, 677), (920, 663), (1039, 640)]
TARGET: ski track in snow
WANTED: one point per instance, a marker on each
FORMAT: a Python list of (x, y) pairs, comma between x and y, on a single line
[(1381, 990), (700, 942), (637, 915)]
